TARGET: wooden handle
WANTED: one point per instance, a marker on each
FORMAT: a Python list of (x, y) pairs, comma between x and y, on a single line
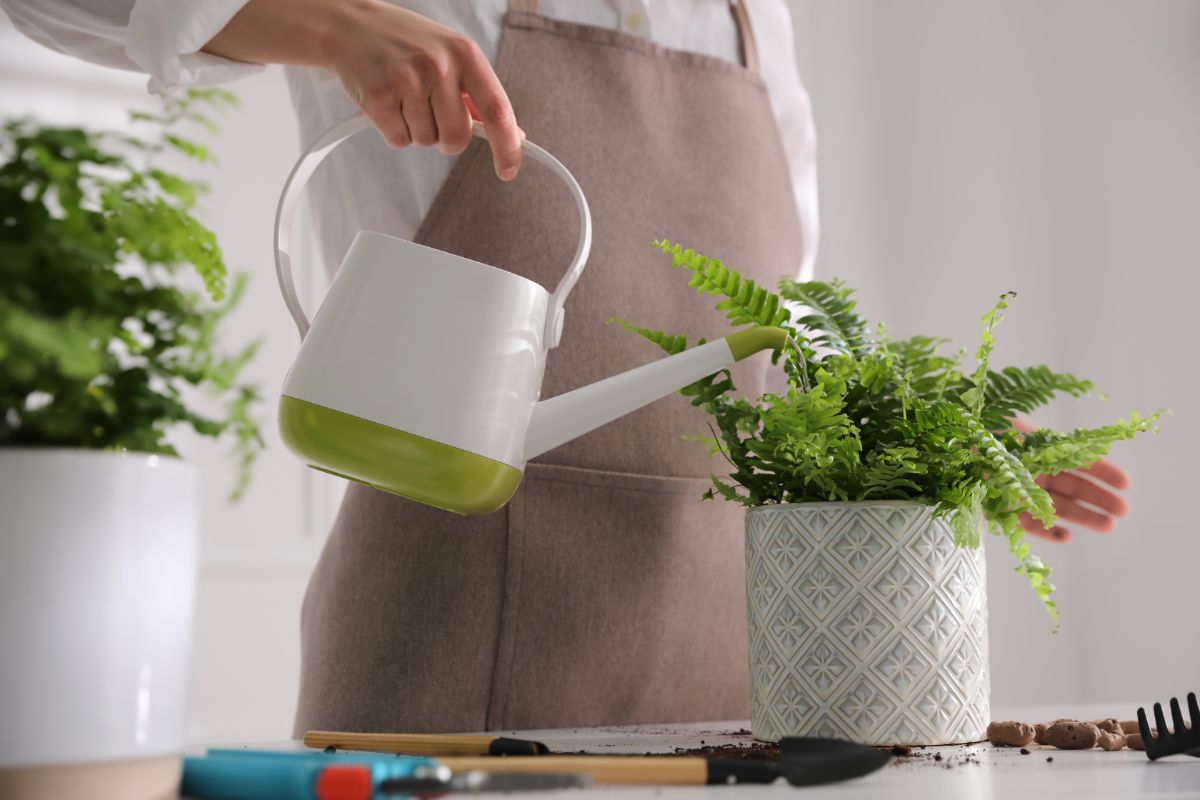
[(661, 770), (413, 744)]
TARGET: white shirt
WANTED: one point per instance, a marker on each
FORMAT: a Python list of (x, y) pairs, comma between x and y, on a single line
[(163, 38)]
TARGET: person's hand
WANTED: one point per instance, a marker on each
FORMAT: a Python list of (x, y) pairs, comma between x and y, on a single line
[(1087, 497), (421, 82), (418, 81)]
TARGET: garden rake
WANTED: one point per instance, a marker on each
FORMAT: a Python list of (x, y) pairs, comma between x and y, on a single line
[(1183, 739)]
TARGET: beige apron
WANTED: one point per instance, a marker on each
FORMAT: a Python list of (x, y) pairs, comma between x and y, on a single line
[(606, 592)]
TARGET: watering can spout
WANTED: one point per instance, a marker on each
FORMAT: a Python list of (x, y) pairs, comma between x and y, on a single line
[(570, 415)]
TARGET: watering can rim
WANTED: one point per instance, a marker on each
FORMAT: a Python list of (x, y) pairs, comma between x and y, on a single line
[(446, 253)]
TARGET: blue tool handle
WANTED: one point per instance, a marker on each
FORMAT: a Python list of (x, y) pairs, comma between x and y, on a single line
[(228, 774), (250, 779), (389, 766)]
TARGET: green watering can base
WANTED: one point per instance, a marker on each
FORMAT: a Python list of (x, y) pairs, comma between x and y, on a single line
[(395, 461)]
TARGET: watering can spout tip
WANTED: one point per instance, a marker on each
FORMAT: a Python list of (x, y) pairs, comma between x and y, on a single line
[(750, 341)]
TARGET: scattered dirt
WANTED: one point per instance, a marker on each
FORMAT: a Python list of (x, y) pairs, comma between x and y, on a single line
[(943, 757), (756, 751), (1024, 751)]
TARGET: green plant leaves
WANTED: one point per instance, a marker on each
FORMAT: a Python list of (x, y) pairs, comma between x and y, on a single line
[(867, 417)]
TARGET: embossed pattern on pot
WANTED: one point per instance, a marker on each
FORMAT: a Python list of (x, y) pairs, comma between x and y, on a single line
[(866, 623)]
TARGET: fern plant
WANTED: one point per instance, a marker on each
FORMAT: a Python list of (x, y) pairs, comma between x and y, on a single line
[(865, 417)]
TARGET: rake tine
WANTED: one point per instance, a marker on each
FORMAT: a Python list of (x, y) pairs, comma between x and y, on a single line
[(1194, 710), (1160, 721), (1179, 727)]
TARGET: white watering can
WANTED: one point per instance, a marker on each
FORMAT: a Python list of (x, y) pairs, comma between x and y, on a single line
[(433, 393)]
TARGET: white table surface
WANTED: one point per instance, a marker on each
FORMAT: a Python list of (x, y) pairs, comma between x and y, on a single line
[(972, 771)]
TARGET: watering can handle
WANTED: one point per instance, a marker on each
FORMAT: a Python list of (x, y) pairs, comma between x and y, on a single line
[(320, 148)]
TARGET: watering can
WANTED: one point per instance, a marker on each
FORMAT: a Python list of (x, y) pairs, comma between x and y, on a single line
[(433, 393)]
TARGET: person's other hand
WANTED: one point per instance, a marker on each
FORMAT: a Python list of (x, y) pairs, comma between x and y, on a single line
[(421, 82), (418, 81), (1087, 497)]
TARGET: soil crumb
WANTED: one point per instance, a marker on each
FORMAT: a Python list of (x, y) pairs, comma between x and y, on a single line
[(1024, 751)]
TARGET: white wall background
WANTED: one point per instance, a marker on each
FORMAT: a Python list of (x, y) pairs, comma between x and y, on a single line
[(966, 148)]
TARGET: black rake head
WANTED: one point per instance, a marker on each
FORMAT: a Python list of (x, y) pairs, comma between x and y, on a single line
[(1182, 739)]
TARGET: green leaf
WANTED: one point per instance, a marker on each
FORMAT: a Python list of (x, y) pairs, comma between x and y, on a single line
[(745, 303), (831, 315)]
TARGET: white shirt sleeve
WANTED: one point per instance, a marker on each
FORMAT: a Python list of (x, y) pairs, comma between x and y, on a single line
[(159, 37), (772, 26)]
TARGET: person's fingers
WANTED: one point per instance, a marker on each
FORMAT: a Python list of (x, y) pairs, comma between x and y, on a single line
[(421, 124), (494, 110), (1068, 509), (383, 109), (1076, 487), (451, 116), (1056, 533), (1110, 473), (475, 114)]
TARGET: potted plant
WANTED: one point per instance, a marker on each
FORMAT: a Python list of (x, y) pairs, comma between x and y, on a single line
[(102, 345), (868, 483)]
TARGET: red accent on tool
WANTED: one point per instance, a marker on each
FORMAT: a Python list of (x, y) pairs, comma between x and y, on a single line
[(345, 782)]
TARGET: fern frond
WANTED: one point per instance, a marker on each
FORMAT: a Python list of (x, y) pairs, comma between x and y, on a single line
[(672, 344), (973, 398), (1031, 566), (1020, 390), (831, 317), (889, 473), (1047, 452), (745, 303), (963, 503)]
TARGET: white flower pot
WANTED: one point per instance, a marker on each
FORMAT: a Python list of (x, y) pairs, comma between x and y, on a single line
[(97, 583), (866, 623)]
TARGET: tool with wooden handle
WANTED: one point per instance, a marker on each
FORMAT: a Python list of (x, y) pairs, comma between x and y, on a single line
[(423, 744), (647, 770), (803, 761)]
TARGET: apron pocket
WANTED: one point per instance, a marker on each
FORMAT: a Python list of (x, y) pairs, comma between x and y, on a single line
[(625, 603)]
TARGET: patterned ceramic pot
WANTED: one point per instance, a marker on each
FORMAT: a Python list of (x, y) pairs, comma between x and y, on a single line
[(866, 624)]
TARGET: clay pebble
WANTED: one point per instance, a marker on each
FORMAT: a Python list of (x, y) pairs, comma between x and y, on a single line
[(1111, 741), (1039, 732), (1134, 741), (1010, 734), (1072, 735), (1109, 725)]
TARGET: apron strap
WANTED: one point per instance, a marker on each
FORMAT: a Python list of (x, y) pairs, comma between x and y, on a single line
[(745, 35), (740, 18)]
